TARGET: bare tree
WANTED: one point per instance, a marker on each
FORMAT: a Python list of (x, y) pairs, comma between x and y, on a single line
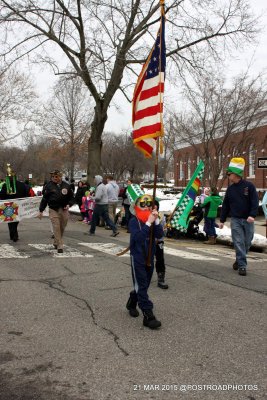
[(103, 40), (16, 105), (217, 112), (120, 159), (67, 118)]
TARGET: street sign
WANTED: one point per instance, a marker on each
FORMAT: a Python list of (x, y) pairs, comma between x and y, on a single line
[(262, 162)]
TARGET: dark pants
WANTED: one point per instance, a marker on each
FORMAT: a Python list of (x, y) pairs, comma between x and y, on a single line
[(128, 214), (101, 210), (160, 262), (13, 230), (141, 280), (210, 226)]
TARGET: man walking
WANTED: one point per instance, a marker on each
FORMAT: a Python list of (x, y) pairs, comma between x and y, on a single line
[(101, 207), (241, 202), (113, 197), (58, 196)]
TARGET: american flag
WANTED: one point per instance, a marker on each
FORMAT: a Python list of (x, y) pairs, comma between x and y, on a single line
[(148, 96)]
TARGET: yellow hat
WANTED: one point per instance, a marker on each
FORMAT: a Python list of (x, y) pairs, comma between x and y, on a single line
[(236, 166)]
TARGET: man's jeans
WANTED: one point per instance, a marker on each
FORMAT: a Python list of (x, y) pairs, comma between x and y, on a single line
[(101, 210), (242, 235)]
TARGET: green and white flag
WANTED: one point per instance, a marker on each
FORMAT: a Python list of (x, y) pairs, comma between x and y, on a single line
[(180, 216)]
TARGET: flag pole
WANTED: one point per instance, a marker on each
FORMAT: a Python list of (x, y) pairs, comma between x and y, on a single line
[(148, 263)]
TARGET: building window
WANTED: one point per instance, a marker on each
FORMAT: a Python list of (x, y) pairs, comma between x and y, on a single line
[(181, 170), (189, 169), (251, 162)]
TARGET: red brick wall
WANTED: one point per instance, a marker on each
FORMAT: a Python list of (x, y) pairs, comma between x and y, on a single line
[(256, 138)]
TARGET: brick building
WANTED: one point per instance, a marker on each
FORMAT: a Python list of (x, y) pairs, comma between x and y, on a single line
[(250, 145)]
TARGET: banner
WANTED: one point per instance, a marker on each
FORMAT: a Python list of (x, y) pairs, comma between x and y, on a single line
[(14, 210), (180, 216)]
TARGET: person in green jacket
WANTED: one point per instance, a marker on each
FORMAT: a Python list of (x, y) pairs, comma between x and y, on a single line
[(210, 205)]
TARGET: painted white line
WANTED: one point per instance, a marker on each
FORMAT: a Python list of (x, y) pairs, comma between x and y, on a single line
[(109, 248), (225, 253), (187, 255), (113, 249), (68, 252), (8, 251)]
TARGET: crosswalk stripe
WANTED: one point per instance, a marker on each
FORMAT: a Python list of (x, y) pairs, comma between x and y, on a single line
[(68, 251), (112, 249), (226, 253), (8, 251), (109, 248), (191, 253), (187, 254)]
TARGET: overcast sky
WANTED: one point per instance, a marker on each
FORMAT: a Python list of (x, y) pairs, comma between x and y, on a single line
[(256, 57)]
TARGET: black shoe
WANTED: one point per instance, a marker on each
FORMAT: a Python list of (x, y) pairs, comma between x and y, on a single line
[(131, 307), (150, 320), (55, 246), (115, 234), (52, 236), (242, 271), (60, 250), (162, 285), (15, 238), (235, 266)]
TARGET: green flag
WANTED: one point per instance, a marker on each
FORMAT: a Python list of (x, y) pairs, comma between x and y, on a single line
[(180, 215)]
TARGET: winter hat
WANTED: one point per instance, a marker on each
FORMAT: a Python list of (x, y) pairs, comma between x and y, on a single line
[(236, 166), (98, 179), (134, 191)]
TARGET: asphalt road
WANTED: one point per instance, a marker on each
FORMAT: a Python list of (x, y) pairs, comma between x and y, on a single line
[(65, 332)]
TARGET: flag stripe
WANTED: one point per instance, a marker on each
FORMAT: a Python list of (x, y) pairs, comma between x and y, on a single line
[(148, 131), (152, 91), (149, 111), (147, 121), (147, 103)]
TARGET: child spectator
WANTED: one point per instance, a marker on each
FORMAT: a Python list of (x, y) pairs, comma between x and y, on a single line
[(210, 205)]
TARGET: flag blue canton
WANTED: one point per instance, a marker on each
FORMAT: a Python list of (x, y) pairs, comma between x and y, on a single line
[(159, 51)]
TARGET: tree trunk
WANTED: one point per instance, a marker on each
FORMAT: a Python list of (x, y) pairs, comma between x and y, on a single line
[(95, 142)]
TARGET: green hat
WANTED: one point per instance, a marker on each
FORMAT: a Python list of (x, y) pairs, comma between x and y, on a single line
[(134, 191), (236, 166)]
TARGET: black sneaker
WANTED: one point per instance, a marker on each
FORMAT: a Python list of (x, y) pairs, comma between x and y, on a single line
[(242, 271), (115, 234), (150, 320), (235, 266), (60, 250)]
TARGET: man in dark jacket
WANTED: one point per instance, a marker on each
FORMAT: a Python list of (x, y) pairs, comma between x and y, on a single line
[(241, 202), (58, 196), (13, 189)]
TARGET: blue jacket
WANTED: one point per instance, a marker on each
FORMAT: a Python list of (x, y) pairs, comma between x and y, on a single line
[(241, 201), (139, 240)]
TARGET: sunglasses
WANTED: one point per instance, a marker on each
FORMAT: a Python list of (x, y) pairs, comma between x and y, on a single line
[(145, 203)]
